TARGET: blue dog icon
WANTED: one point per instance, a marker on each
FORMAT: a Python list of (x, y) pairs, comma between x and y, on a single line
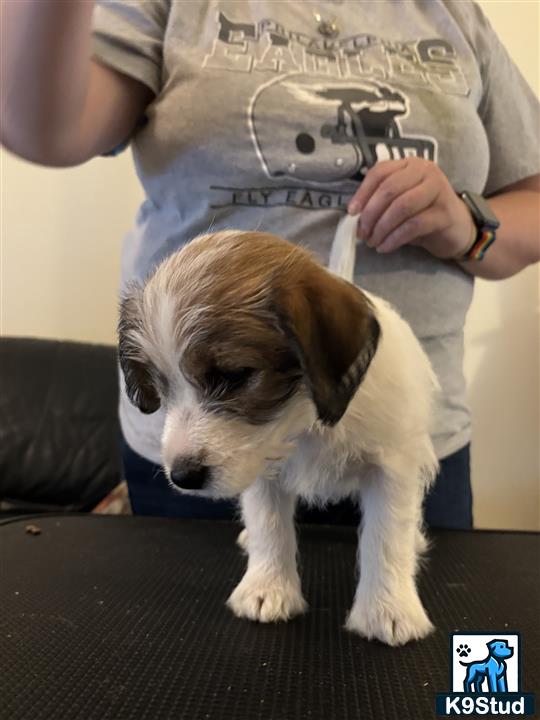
[(493, 668)]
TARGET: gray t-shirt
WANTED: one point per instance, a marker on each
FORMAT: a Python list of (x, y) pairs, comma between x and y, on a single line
[(262, 122)]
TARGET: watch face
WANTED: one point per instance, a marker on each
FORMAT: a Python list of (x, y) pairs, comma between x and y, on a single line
[(479, 207)]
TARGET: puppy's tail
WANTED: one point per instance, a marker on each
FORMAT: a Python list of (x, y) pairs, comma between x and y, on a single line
[(343, 252)]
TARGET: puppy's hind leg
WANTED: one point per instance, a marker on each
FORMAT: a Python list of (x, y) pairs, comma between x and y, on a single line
[(270, 589), (386, 605)]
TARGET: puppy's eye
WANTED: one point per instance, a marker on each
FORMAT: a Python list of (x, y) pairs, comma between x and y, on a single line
[(228, 379)]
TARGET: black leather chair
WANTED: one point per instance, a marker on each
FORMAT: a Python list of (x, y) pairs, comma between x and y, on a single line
[(58, 425)]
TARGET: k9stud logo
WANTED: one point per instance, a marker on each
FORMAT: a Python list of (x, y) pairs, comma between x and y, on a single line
[(485, 676)]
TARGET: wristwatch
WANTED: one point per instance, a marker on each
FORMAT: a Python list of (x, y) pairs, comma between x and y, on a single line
[(486, 224)]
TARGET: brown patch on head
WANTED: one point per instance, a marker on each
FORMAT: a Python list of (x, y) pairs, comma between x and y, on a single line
[(246, 369), (332, 326), (255, 315)]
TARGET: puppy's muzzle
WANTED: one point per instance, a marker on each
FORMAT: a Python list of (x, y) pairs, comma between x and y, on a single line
[(189, 473)]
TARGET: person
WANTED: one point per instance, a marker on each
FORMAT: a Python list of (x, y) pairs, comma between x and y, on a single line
[(281, 117)]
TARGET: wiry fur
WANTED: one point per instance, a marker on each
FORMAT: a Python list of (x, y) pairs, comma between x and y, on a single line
[(337, 402)]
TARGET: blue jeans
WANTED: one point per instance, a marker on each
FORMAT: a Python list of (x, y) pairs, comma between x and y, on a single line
[(448, 505)]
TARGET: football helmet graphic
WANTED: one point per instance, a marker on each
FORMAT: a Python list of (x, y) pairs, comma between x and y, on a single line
[(334, 129)]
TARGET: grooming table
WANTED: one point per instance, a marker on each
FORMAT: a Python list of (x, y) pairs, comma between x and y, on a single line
[(124, 618)]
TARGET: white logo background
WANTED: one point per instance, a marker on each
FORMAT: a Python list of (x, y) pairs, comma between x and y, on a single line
[(479, 652)]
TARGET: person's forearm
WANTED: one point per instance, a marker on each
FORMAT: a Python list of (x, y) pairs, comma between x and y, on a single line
[(518, 238), (45, 68)]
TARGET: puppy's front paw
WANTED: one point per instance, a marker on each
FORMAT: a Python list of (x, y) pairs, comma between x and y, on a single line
[(392, 621), (267, 599)]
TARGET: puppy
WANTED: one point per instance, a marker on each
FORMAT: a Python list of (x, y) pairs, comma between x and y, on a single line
[(280, 379)]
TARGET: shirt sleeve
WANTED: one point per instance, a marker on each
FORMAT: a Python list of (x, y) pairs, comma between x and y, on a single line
[(127, 35), (508, 108)]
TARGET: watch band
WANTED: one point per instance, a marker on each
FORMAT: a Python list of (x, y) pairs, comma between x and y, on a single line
[(483, 240), (485, 222)]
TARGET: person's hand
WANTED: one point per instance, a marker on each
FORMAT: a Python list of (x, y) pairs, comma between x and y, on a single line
[(411, 201)]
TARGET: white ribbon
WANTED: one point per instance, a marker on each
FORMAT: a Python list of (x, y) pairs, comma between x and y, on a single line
[(343, 253)]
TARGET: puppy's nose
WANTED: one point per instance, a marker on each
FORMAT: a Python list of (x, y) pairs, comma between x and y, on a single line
[(189, 473)]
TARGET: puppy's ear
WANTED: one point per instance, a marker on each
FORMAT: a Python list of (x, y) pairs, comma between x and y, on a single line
[(334, 333), (140, 386)]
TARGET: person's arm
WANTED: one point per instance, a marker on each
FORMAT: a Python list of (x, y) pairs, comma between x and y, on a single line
[(59, 107), (411, 201), (518, 238)]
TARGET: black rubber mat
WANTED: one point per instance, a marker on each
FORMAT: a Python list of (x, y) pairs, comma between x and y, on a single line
[(124, 618)]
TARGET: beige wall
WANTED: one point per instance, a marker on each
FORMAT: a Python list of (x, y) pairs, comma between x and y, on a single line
[(61, 233), (502, 361)]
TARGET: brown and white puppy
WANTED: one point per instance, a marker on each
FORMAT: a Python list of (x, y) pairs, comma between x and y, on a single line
[(280, 379)]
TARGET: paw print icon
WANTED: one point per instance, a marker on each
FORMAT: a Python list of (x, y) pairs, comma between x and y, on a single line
[(463, 650)]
